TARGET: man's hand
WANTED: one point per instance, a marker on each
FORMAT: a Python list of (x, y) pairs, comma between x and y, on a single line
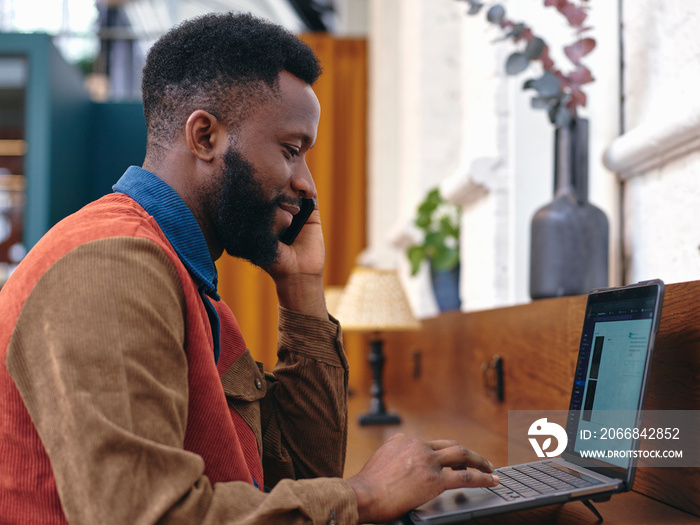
[(405, 473), (298, 273)]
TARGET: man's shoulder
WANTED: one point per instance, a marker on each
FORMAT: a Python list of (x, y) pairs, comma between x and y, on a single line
[(112, 216), (109, 233)]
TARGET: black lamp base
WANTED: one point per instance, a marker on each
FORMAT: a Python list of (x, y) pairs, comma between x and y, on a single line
[(379, 419), (377, 414)]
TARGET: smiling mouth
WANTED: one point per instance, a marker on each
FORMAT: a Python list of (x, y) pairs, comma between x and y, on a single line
[(289, 210), (293, 209)]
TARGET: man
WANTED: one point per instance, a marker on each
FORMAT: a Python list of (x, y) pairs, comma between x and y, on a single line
[(127, 393)]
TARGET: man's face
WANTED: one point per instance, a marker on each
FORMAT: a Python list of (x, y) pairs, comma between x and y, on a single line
[(245, 215), (264, 173)]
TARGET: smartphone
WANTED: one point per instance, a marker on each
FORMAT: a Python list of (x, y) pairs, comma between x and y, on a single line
[(298, 221)]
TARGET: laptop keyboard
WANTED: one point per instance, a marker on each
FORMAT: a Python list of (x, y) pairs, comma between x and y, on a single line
[(526, 481)]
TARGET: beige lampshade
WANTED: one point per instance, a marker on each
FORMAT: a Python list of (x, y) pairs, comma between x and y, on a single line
[(374, 300), (332, 294)]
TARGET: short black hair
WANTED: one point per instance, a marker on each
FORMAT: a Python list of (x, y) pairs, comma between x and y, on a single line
[(218, 62)]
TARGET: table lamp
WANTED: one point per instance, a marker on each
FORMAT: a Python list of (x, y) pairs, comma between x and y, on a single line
[(332, 293), (374, 301)]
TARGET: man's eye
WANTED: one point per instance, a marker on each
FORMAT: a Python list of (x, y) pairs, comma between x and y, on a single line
[(292, 152)]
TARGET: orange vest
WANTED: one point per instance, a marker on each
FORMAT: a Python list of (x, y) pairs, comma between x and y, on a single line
[(215, 431)]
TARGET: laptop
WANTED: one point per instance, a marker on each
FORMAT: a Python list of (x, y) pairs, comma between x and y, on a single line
[(617, 340)]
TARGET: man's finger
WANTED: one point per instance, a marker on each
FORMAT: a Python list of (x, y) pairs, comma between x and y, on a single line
[(458, 457), (455, 479), (440, 444)]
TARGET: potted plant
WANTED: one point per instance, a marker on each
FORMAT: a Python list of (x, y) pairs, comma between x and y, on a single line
[(438, 222)]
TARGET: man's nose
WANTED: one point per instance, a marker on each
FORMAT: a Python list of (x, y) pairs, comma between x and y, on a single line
[(303, 181)]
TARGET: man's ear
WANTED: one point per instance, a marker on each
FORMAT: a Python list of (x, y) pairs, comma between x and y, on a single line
[(206, 136)]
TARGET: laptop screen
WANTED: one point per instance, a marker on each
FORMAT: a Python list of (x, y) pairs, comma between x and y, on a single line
[(610, 377)]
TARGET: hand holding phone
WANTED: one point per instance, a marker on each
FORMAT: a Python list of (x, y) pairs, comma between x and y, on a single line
[(298, 221)]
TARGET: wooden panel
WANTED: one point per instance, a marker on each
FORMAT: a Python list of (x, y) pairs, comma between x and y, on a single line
[(674, 385), (539, 344)]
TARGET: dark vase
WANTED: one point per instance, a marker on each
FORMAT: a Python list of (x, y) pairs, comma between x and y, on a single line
[(569, 236), (446, 288)]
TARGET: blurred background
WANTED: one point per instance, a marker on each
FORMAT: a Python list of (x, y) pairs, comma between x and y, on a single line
[(414, 96), (71, 122), (108, 39)]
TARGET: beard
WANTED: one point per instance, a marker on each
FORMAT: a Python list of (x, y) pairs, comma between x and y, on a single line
[(244, 217)]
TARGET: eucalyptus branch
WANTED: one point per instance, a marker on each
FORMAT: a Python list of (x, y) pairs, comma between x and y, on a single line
[(557, 92)]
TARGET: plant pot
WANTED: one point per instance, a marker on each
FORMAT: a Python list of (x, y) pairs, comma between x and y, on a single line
[(569, 236), (446, 288)]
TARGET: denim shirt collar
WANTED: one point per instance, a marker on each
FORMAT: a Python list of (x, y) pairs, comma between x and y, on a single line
[(177, 222)]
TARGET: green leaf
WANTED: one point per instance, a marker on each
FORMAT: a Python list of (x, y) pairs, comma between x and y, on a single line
[(495, 14), (517, 63), (434, 239), (547, 85), (446, 259), (534, 48), (474, 7), (441, 239), (423, 220), (416, 255), (434, 197), (448, 227), (543, 102), (516, 31), (426, 207)]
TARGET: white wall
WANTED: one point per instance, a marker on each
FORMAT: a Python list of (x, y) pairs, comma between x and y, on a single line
[(415, 120), (658, 157)]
